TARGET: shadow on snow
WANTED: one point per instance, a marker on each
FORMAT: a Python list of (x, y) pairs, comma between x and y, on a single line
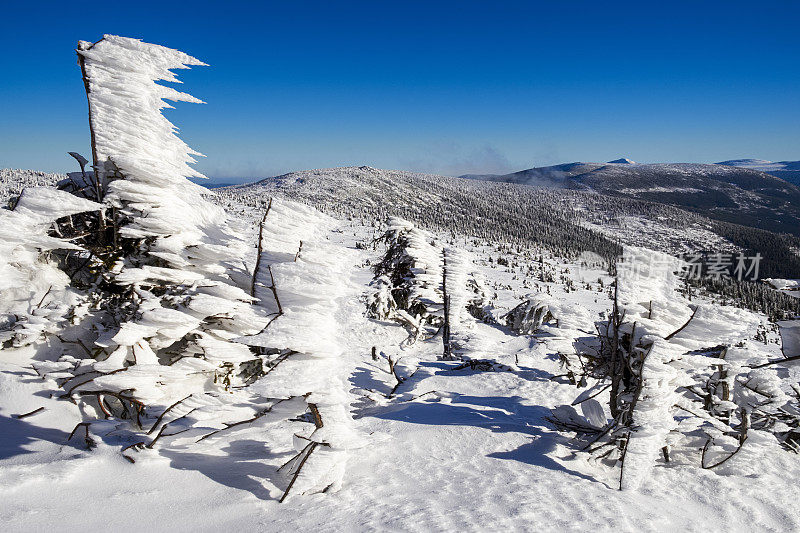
[(496, 413)]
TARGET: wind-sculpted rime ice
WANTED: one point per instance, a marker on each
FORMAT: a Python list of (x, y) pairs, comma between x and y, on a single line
[(166, 268), (143, 165), (125, 106)]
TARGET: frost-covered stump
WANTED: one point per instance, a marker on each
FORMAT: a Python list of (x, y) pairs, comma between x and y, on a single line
[(299, 286)]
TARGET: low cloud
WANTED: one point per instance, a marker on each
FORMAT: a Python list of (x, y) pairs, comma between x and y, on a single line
[(453, 160)]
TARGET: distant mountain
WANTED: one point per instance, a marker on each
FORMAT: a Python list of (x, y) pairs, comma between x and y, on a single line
[(571, 221), (787, 170), (723, 192), (559, 218)]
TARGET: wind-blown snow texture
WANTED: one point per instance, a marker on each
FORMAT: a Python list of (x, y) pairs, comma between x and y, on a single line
[(300, 284)]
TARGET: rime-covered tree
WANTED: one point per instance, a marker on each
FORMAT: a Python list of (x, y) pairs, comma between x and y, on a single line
[(164, 267)]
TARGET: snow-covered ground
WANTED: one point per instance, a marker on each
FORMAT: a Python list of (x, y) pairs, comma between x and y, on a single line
[(661, 235), (449, 448)]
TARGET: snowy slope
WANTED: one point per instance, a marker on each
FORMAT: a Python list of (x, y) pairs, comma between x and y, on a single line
[(13, 181), (359, 349), (505, 211), (742, 195), (431, 444), (455, 450)]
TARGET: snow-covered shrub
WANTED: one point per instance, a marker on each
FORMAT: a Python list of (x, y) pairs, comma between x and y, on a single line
[(530, 314), (429, 289), (298, 284), (669, 392), (413, 268), (35, 294), (479, 304), (380, 303)]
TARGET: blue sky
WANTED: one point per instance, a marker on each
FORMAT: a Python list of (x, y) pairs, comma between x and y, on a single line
[(446, 87)]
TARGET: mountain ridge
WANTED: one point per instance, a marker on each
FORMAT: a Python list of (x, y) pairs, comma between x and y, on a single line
[(728, 193), (786, 170)]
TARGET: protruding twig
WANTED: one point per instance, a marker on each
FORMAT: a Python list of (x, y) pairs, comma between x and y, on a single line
[(668, 337), (243, 422), (310, 447), (705, 449), (168, 409), (161, 432), (260, 249), (136, 446), (315, 414), (88, 441), (26, 415), (786, 360)]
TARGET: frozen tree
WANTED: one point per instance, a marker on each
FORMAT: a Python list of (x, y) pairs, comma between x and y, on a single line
[(429, 288), (408, 279), (164, 267), (298, 283), (677, 379)]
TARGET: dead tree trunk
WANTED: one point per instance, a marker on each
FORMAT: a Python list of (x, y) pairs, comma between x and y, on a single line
[(448, 350), (260, 249), (95, 163)]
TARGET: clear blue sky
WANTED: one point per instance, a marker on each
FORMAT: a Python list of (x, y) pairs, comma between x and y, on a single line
[(447, 87)]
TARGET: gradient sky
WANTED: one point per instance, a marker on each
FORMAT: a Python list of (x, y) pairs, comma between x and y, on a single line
[(445, 87)]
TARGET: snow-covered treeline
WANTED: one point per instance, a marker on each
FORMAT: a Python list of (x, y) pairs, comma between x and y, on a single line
[(14, 181)]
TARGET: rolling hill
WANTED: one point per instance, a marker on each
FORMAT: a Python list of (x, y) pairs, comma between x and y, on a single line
[(727, 193), (786, 170)]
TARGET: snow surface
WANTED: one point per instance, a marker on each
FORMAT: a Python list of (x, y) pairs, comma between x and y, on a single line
[(456, 450), (761, 164)]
